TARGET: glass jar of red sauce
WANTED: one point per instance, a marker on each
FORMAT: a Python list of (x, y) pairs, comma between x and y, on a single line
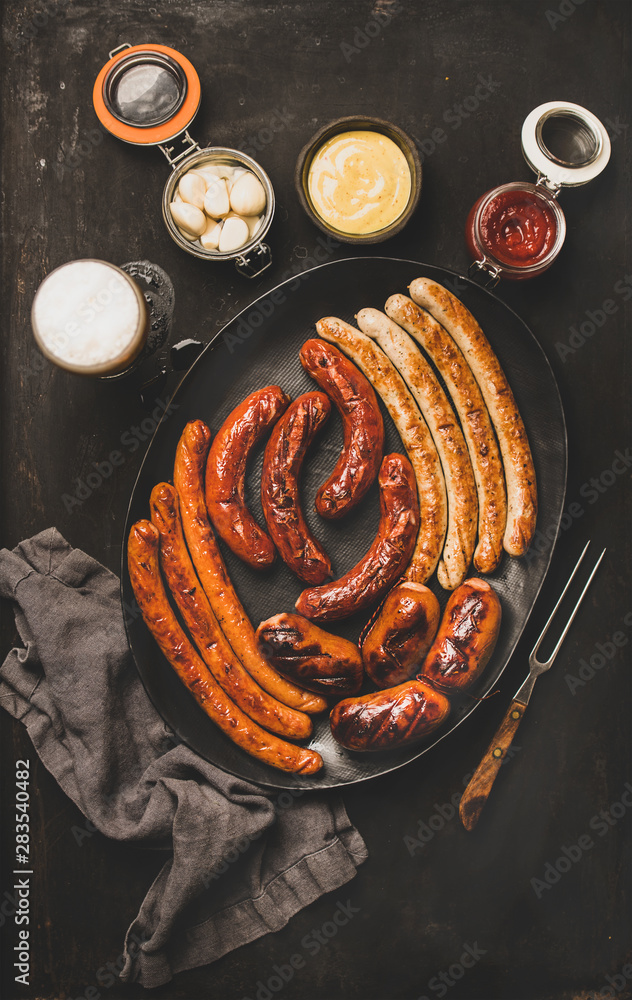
[(515, 231)]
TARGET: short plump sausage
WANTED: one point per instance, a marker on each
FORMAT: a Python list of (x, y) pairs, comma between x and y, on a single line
[(401, 635), (466, 638), (388, 719), (313, 658)]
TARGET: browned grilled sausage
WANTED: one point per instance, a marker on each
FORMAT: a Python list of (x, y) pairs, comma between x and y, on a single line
[(280, 499), (310, 656), (362, 426), (142, 552), (388, 719), (386, 559), (402, 634), (211, 642), (466, 637), (188, 478), (230, 451)]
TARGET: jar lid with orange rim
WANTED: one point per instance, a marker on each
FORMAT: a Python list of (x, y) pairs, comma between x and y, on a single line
[(148, 95)]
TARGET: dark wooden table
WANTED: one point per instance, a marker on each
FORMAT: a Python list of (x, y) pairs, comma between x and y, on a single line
[(69, 191)]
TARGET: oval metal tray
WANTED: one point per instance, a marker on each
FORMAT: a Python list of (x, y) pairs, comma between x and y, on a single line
[(260, 347)]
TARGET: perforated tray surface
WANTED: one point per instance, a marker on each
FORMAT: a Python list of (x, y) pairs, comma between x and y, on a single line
[(260, 347)]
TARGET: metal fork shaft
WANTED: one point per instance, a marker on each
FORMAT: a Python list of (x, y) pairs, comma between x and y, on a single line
[(480, 785)]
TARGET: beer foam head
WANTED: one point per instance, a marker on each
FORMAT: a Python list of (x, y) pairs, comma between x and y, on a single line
[(86, 314)]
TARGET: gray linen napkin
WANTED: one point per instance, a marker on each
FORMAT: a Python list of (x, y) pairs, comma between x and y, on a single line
[(242, 860)]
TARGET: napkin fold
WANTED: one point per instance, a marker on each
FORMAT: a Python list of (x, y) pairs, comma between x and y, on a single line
[(242, 860)]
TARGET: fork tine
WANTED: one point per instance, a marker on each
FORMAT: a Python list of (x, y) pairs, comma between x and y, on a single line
[(547, 663)]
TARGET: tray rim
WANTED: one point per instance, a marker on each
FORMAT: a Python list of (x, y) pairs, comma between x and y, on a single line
[(212, 343)]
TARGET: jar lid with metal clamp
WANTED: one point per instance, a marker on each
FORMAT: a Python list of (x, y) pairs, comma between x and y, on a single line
[(516, 230), (148, 95)]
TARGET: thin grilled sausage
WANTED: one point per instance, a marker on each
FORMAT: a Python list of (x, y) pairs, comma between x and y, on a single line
[(310, 656), (522, 498), (466, 638), (384, 720), (159, 617), (362, 426), (188, 478), (387, 557), (415, 436), (230, 451), (401, 635), (460, 484), (280, 489), (477, 428), (211, 642)]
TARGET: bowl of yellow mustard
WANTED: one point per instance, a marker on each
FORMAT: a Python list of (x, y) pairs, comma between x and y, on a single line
[(359, 178)]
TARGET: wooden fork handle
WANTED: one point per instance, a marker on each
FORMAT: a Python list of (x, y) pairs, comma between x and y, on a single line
[(477, 792)]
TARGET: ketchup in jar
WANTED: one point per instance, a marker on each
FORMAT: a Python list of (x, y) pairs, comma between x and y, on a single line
[(516, 230)]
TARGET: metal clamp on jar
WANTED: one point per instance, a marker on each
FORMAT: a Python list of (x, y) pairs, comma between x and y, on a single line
[(148, 95), (516, 230)]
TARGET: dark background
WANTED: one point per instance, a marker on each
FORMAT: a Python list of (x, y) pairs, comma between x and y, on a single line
[(416, 913)]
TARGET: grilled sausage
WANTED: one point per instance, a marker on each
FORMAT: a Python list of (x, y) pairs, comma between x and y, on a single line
[(466, 638), (362, 426), (159, 617), (388, 719), (401, 635), (211, 642), (460, 484), (415, 436), (477, 428), (386, 559), (188, 478), (310, 656), (522, 500), (280, 497), (230, 451)]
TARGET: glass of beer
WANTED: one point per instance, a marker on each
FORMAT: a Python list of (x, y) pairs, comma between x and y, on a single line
[(90, 317)]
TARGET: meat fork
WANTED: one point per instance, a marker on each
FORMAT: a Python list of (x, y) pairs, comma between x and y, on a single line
[(477, 792)]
